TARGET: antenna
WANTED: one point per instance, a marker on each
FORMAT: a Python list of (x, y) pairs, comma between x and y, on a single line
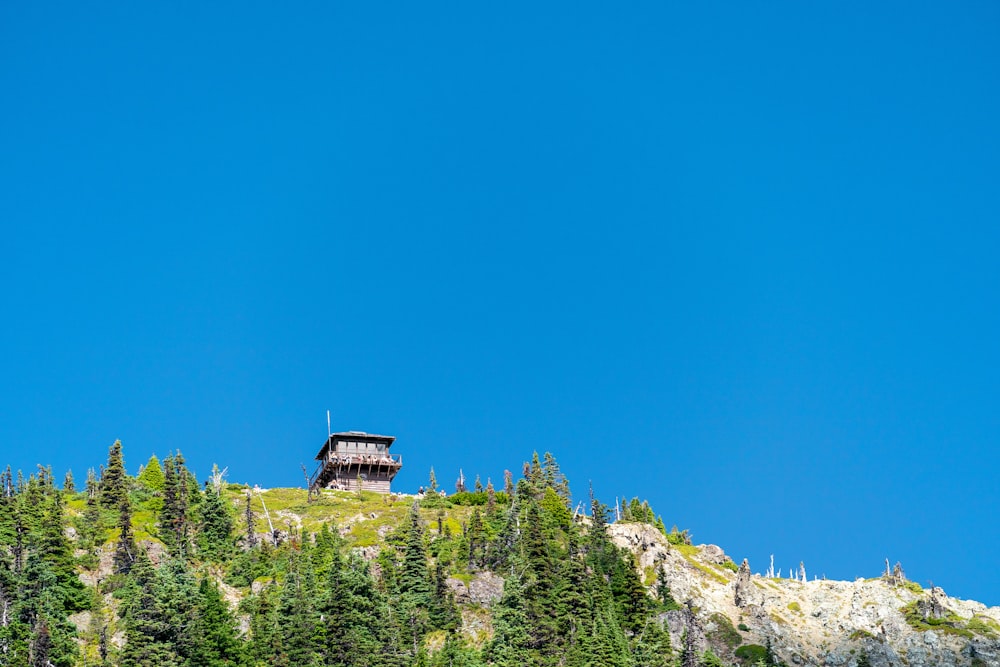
[(329, 431)]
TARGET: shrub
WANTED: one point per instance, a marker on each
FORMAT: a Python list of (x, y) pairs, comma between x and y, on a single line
[(724, 632), (750, 654)]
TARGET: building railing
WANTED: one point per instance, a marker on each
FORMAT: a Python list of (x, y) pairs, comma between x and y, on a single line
[(355, 459)]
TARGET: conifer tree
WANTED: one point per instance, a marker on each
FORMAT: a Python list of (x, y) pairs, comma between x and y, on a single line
[(216, 526), (300, 627), (68, 485), (652, 646), (151, 476), (413, 577), (265, 635), (174, 523), (216, 643), (442, 612), (249, 519), (150, 641), (125, 552), (491, 498), (477, 540), (114, 481), (92, 487), (554, 478), (509, 647)]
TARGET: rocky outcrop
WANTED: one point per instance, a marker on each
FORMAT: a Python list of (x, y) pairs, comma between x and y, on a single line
[(815, 623), (483, 589), (743, 590)]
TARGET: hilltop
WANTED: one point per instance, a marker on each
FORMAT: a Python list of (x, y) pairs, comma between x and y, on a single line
[(161, 569)]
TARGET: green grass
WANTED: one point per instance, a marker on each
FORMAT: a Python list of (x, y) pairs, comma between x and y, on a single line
[(951, 623), (343, 508), (750, 654), (724, 632), (689, 552), (981, 625)]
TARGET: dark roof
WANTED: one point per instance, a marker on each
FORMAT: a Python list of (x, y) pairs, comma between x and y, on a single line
[(354, 435)]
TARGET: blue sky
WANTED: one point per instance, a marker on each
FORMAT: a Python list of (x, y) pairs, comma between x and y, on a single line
[(740, 260)]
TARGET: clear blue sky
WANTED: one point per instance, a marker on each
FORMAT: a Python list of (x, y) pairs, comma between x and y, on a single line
[(739, 259)]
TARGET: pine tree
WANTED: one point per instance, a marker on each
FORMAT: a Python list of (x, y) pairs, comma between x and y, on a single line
[(174, 523), (125, 552), (216, 642), (477, 540), (92, 487), (491, 499), (442, 612), (249, 520), (150, 641), (652, 646), (265, 635), (114, 481), (152, 476), (68, 485), (413, 577), (215, 540), (509, 647), (301, 637)]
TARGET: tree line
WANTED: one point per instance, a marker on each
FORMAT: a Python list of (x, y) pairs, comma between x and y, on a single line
[(571, 597)]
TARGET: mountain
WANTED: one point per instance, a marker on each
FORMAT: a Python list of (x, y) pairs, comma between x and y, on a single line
[(159, 569)]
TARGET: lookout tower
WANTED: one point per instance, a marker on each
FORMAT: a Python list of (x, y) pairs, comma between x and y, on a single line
[(354, 461)]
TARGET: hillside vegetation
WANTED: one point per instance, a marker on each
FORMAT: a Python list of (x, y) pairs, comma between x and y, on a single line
[(160, 569)]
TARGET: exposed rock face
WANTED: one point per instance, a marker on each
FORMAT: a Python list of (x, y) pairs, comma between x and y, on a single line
[(743, 594), (817, 623), (484, 589)]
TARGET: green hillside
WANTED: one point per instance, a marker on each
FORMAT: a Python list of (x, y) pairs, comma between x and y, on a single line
[(162, 569)]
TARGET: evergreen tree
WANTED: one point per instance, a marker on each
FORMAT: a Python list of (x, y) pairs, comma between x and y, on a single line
[(652, 646), (413, 577), (114, 481), (491, 499), (174, 522), (92, 487), (125, 552), (476, 540), (149, 637), (554, 478), (509, 647), (709, 659), (215, 530), (216, 643), (249, 519), (301, 638), (265, 635), (152, 476), (356, 616), (68, 485), (442, 612)]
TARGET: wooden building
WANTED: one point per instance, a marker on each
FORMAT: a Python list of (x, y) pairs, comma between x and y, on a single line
[(355, 458)]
